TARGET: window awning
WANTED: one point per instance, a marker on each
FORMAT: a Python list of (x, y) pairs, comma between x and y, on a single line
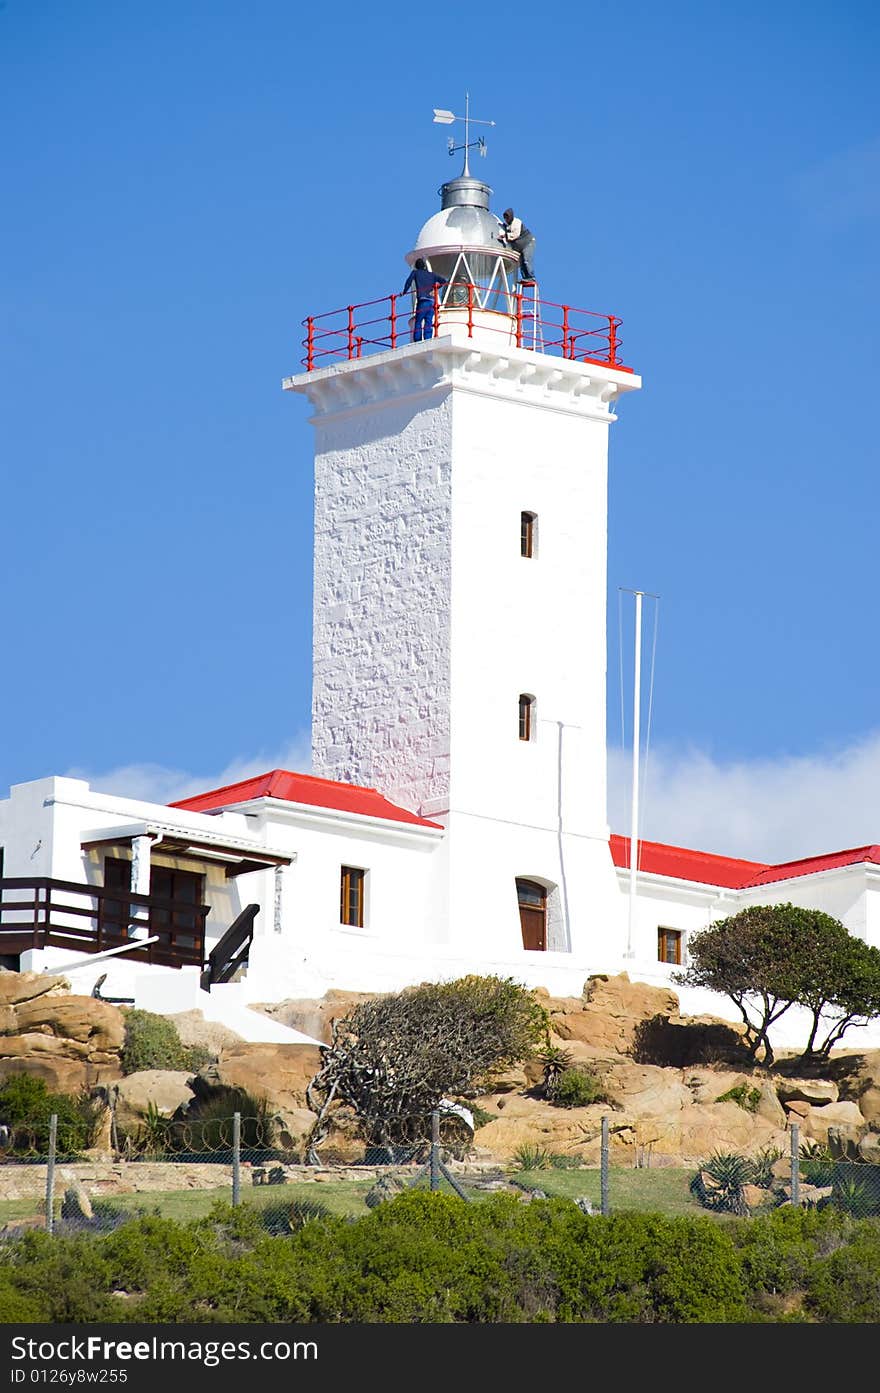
[(238, 854)]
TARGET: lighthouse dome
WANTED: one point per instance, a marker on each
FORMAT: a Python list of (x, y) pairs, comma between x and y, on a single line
[(464, 221)]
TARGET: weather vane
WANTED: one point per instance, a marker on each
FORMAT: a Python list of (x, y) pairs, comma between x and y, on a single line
[(446, 118)]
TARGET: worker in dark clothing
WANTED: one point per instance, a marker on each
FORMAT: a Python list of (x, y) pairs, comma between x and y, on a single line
[(516, 235), (423, 281)]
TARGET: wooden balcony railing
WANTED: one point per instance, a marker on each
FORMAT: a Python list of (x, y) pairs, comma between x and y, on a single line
[(232, 951), (41, 913)]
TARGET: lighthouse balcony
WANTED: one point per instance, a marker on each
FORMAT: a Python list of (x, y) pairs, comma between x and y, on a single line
[(498, 315)]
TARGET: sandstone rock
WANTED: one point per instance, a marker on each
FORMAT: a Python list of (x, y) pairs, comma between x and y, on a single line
[(815, 1091), (16, 987), (82, 1018), (385, 1188), (166, 1089), (609, 1013), (60, 1075), (770, 1108), (755, 1197), (279, 1073), (649, 1091), (869, 1148), (708, 1085), (869, 1104), (797, 1109), (294, 1125), (76, 1203), (840, 1115)]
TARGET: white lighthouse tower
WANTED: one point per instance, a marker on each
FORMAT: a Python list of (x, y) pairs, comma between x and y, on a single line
[(460, 587)]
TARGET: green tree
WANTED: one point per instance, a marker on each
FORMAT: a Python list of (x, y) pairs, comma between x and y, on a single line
[(770, 957)]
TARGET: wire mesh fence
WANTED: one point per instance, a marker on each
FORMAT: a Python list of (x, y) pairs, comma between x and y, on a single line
[(182, 1169)]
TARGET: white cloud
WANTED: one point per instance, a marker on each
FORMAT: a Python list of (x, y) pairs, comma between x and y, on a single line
[(763, 809), (156, 783)]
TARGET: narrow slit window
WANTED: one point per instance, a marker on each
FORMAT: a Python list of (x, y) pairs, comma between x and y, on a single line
[(526, 717), (351, 897), (528, 534), (669, 945)]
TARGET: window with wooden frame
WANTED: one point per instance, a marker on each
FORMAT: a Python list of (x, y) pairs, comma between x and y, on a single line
[(528, 534), (669, 943), (351, 897), (526, 716)]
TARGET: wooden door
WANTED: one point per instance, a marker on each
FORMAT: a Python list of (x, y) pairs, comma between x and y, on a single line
[(532, 899)]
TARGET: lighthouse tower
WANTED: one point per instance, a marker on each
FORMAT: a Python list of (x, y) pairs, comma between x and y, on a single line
[(460, 586)]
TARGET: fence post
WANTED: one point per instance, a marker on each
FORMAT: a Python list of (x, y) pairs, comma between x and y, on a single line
[(236, 1159), (435, 1149), (470, 310), (393, 321), (50, 1174), (603, 1169), (350, 332), (612, 341), (310, 343), (795, 1165)]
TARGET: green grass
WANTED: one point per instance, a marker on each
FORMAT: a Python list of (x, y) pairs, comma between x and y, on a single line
[(340, 1197), (661, 1190)]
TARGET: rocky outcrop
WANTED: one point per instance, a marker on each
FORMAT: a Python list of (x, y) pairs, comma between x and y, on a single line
[(70, 1042), (278, 1073)]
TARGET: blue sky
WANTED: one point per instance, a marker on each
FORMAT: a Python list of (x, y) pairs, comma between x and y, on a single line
[(184, 182)]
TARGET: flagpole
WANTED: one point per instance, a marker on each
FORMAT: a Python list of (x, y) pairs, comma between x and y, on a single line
[(634, 825)]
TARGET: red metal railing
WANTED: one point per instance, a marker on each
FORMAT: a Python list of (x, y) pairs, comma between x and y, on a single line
[(543, 325)]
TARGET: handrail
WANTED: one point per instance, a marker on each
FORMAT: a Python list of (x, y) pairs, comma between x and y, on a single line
[(227, 955), (47, 915), (349, 332)]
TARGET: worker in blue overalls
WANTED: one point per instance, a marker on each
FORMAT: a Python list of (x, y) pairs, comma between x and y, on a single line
[(423, 281)]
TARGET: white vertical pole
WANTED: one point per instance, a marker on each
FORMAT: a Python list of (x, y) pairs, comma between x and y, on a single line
[(634, 825)]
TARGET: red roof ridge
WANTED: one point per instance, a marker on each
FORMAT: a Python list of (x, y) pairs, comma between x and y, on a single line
[(709, 867), (287, 786), (270, 775)]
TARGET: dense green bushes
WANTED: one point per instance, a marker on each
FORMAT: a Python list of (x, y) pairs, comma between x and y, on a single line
[(26, 1105), (432, 1258), (152, 1042)]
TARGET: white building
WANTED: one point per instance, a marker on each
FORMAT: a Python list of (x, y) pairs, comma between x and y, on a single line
[(456, 820)]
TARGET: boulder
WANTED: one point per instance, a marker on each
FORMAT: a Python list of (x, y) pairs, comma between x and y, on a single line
[(869, 1104), (59, 1074), (94, 1023), (846, 1117), (294, 1125), (869, 1148), (797, 1109), (770, 1108), (165, 1089), (814, 1091), (16, 987), (76, 1204), (385, 1188), (279, 1073), (609, 1012), (648, 1090)]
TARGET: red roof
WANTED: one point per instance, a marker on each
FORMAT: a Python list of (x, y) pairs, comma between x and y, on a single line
[(304, 788), (705, 868), (684, 864)]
